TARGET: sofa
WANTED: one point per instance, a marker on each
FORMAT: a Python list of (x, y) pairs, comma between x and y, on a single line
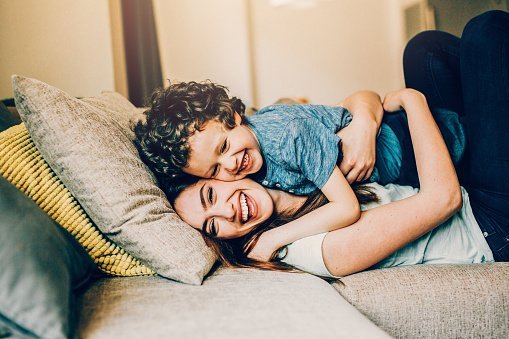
[(191, 296), (432, 301)]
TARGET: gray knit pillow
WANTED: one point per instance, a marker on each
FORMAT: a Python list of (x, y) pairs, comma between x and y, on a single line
[(88, 144)]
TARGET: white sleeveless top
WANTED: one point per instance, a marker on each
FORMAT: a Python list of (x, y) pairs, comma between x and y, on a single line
[(458, 240)]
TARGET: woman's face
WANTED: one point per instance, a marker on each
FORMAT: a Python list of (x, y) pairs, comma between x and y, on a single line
[(224, 209)]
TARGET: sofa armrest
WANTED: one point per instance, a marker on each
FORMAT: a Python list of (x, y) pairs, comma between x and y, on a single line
[(9, 115), (434, 301)]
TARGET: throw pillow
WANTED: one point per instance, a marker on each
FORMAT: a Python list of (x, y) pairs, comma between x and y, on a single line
[(89, 145), (23, 166), (41, 264)]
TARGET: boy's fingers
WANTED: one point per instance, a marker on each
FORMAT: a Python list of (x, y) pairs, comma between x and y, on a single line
[(352, 175), (345, 168), (361, 176), (368, 174)]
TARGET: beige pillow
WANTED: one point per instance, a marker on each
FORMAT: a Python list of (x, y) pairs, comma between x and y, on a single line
[(88, 144)]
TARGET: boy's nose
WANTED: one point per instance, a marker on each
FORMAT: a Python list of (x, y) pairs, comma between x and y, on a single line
[(230, 164)]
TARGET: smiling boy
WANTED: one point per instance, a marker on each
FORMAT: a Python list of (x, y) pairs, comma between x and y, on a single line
[(196, 128)]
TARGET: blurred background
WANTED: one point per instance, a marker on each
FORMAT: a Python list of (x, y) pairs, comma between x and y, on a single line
[(261, 49)]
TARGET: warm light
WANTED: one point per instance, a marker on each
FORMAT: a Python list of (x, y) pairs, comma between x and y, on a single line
[(297, 4)]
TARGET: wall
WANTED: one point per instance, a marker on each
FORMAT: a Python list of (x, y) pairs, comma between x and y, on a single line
[(201, 40), (325, 52), (66, 43), (452, 15)]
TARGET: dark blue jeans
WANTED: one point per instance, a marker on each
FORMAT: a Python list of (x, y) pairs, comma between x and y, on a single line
[(470, 75)]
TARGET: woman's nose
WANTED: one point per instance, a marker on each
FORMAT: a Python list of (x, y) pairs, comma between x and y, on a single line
[(227, 211)]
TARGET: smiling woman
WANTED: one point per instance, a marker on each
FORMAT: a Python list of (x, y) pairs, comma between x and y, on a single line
[(241, 212), (440, 223), (230, 209), (233, 215)]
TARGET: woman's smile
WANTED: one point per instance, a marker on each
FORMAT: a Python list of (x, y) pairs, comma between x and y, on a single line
[(225, 209), (248, 208)]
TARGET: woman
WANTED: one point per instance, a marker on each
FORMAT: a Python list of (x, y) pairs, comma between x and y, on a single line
[(401, 229)]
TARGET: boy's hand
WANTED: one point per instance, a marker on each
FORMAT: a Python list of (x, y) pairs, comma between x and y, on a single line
[(392, 101), (395, 100), (264, 248), (359, 149)]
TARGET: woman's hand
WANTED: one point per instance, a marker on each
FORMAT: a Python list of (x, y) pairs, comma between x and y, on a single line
[(264, 247)]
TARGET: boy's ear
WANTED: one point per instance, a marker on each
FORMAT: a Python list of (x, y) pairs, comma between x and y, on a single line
[(238, 118)]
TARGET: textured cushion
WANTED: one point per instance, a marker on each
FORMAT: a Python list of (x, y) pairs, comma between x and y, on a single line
[(22, 165), (434, 301), (88, 143), (232, 303), (40, 265)]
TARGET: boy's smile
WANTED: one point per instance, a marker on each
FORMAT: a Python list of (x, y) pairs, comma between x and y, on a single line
[(222, 153)]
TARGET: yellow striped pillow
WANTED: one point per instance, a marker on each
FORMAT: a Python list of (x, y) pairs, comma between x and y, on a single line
[(22, 165)]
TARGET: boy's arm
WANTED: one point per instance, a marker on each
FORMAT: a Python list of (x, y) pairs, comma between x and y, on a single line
[(342, 210), (359, 138)]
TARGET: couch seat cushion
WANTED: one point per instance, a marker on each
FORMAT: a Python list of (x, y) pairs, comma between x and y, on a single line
[(434, 301), (232, 303)]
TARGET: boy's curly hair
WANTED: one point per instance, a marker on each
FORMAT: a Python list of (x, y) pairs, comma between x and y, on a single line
[(175, 113)]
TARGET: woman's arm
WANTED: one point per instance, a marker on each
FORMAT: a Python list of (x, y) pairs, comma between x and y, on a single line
[(342, 210), (383, 230), (359, 138)]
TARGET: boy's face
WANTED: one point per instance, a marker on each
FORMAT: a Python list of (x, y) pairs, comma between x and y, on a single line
[(224, 154)]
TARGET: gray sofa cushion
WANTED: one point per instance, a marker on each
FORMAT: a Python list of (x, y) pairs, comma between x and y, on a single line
[(232, 303), (434, 301), (40, 266), (88, 144)]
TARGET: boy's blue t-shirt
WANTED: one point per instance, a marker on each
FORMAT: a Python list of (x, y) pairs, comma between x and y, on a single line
[(299, 146)]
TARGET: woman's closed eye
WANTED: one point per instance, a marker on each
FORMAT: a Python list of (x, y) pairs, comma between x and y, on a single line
[(212, 228), (212, 224), (210, 195)]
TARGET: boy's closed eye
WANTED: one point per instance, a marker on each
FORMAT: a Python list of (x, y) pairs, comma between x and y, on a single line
[(223, 149), (215, 171)]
